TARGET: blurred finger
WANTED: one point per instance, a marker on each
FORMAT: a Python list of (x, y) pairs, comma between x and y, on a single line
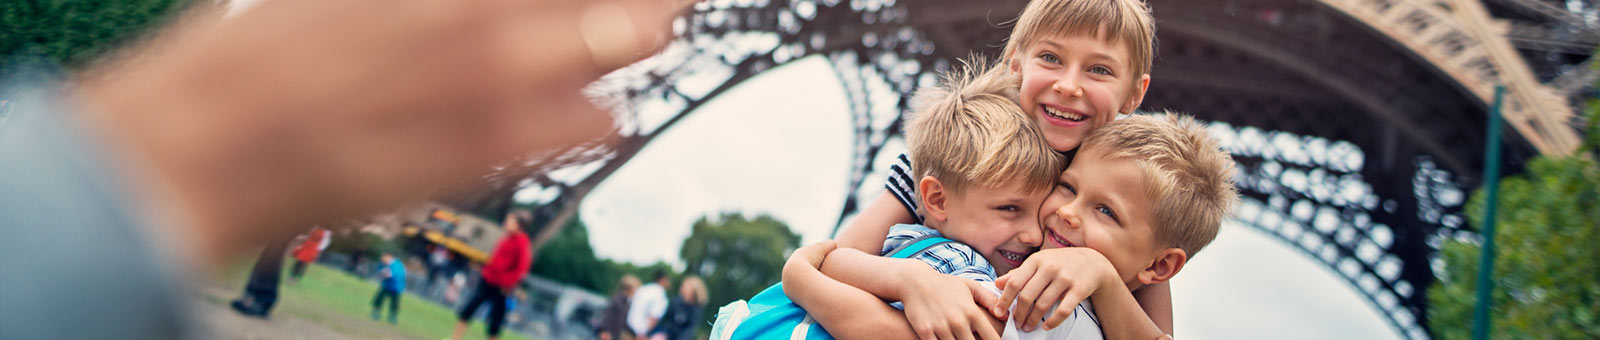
[(590, 37)]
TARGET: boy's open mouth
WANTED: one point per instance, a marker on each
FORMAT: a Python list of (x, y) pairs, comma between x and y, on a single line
[(1063, 114), (1012, 258)]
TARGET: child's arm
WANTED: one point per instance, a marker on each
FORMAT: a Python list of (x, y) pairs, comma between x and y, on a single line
[(1064, 277), (866, 233), (936, 305), (1156, 299), (846, 312)]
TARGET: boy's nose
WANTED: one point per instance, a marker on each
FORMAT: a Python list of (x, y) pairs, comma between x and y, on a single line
[(1067, 217), (1032, 236)]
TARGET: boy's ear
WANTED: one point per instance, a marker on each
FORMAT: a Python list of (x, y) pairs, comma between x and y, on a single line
[(1167, 264), (1137, 96), (1014, 63), (934, 198)]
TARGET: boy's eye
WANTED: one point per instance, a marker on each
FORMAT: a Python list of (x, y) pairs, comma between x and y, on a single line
[(1100, 70), (1009, 208), (1068, 187), (1107, 211), (1050, 58)]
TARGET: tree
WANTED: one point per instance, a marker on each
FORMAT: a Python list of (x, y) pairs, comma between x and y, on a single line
[(1547, 243), (569, 258), (74, 33), (736, 256)]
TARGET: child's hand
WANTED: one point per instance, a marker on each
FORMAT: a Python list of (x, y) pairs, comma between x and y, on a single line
[(1059, 278), (948, 307)]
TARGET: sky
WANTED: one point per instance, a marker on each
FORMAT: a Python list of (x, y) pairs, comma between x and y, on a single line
[(779, 144)]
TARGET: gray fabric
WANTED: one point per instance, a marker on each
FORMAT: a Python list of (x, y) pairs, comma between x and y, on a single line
[(75, 263)]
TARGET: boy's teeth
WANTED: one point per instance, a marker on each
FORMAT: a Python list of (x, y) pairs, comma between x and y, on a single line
[(1063, 115)]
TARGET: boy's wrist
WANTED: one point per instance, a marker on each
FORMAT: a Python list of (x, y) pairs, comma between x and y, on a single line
[(914, 278)]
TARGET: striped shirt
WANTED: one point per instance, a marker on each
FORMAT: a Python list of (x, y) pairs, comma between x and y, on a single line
[(903, 187), (952, 258)]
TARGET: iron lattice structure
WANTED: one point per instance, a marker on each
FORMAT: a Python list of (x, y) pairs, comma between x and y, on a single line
[(1356, 123)]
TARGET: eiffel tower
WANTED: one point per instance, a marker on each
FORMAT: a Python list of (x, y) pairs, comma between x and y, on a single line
[(1356, 123)]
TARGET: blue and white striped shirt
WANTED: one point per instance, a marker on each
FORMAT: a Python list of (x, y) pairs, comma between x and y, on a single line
[(954, 258)]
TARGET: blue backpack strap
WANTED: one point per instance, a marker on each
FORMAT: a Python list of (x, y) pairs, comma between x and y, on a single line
[(917, 246), (773, 316)]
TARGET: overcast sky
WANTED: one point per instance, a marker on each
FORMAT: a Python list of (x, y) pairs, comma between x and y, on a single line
[(780, 143)]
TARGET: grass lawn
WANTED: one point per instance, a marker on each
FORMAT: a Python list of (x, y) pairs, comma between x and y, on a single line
[(343, 303)]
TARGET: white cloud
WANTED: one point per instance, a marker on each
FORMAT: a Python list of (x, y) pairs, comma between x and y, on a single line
[(778, 144), (1248, 285)]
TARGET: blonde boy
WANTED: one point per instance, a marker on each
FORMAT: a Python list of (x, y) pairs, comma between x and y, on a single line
[(1143, 196), (983, 168)]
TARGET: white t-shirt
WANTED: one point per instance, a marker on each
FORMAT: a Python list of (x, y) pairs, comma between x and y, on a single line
[(649, 302), (1082, 325)]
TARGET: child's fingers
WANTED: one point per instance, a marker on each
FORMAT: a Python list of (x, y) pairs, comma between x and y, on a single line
[(981, 295), (962, 330), (1025, 316), (944, 333), (981, 326), (1047, 299), (1009, 290), (1069, 302)]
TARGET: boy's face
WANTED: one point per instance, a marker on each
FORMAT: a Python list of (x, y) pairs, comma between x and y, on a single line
[(1100, 203), (1071, 84), (387, 258), (998, 221)]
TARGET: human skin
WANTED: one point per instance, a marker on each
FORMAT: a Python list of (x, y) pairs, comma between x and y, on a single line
[(300, 112)]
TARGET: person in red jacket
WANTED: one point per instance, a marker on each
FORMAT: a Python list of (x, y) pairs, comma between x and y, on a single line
[(309, 250), (507, 265)]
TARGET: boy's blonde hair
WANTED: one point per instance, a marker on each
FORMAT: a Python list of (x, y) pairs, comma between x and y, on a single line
[(1186, 173), (970, 131), (1126, 21)]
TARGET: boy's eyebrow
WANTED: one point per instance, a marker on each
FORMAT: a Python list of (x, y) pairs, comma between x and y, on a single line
[(1010, 198)]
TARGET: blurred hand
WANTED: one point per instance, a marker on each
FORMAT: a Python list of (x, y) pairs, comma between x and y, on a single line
[(297, 112), (1052, 278)]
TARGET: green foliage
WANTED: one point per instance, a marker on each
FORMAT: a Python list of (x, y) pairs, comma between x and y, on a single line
[(569, 258), (736, 256), (73, 33), (350, 241), (1547, 239)]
